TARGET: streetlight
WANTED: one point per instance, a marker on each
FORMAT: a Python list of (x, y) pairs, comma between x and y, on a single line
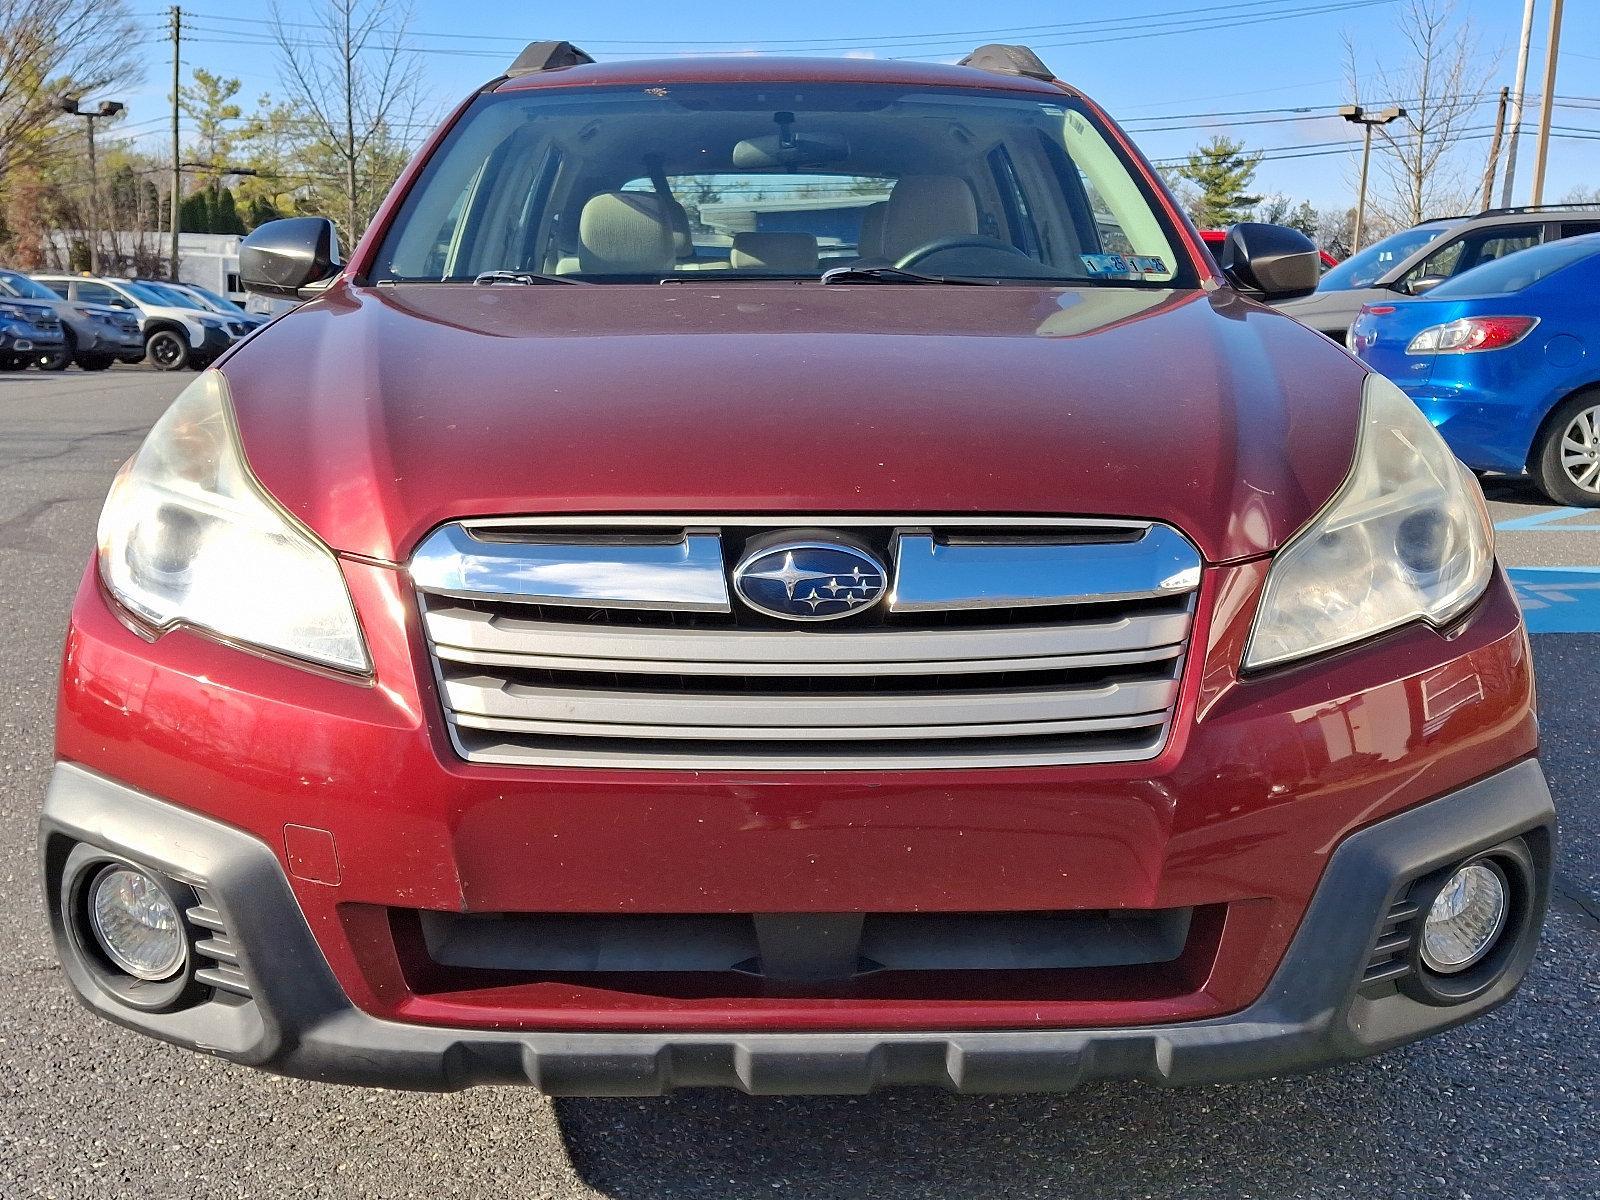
[(106, 108), (1357, 115)]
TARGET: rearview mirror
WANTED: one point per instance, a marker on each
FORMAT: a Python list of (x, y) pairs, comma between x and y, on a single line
[(1270, 262), (290, 257)]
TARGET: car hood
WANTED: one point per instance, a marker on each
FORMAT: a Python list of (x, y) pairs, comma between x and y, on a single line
[(374, 414)]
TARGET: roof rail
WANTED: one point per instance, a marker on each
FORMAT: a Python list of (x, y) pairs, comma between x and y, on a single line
[(547, 56), (1537, 208), (1008, 60)]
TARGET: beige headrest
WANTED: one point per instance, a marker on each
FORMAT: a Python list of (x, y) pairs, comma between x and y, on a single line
[(791, 253), (924, 207), (682, 234), (870, 243), (623, 233)]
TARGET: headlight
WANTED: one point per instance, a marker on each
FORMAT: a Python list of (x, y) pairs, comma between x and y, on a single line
[(189, 537), (1407, 538), (210, 322)]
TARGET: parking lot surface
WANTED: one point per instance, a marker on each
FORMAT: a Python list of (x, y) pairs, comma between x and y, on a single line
[(1504, 1107)]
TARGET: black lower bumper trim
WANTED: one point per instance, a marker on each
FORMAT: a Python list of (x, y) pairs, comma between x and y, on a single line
[(297, 1021)]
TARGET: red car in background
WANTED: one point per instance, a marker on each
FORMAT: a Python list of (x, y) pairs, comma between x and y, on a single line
[(793, 575), (1215, 238)]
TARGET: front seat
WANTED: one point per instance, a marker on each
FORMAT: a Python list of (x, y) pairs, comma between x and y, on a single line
[(788, 253), (923, 208), (625, 233)]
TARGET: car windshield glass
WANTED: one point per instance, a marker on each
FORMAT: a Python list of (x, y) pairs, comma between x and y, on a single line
[(24, 288), (166, 295), (1377, 260), (215, 302), (1520, 270), (703, 183)]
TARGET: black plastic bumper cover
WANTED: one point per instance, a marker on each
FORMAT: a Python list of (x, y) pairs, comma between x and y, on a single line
[(299, 1021)]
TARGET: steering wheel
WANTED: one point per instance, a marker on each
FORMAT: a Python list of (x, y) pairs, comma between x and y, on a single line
[(959, 241)]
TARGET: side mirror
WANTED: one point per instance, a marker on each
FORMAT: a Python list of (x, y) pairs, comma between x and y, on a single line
[(290, 257), (1271, 262), (1422, 284)]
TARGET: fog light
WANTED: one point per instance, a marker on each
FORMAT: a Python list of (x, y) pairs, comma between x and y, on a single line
[(1466, 919), (136, 923)]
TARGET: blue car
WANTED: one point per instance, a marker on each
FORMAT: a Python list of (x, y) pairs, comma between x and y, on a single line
[(1505, 361)]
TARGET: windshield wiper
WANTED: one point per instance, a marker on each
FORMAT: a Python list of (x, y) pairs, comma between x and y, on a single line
[(894, 275), (525, 277)]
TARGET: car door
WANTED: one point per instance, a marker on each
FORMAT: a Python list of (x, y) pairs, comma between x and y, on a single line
[(89, 291), (1471, 249)]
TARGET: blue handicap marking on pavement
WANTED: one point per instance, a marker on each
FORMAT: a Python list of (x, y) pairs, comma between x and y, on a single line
[(1546, 522), (1558, 599)]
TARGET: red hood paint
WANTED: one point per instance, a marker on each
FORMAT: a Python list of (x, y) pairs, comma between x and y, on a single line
[(376, 413)]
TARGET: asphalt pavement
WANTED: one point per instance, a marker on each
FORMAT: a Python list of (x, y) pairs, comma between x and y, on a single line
[(1504, 1107)]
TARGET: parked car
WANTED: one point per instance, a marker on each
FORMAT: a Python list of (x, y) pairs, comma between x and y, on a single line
[(177, 334), (544, 658), (1216, 238), (27, 332), (216, 302), (1499, 360), (1414, 260), (94, 336), (235, 320)]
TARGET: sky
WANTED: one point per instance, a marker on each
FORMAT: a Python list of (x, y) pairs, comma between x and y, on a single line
[(1268, 72)]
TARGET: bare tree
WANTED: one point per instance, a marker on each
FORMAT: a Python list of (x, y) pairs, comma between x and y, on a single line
[(1441, 82), (353, 78), (49, 48)]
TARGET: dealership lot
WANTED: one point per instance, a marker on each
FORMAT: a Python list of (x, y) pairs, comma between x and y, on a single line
[(1507, 1106)]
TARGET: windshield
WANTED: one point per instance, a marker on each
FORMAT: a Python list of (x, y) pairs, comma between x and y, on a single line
[(213, 301), (1377, 260), (1517, 271), (701, 183), (157, 294), (24, 288)]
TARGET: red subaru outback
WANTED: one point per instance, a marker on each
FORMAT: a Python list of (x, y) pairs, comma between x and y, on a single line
[(800, 576)]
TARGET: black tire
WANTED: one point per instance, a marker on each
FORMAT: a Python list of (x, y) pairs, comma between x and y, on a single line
[(94, 362), (61, 358), (1566, 460), (167, 350), (14, 362)]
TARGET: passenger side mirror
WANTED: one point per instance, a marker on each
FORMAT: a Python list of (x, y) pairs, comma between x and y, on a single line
[(290, 257), (1421, 284), (1270, 262)]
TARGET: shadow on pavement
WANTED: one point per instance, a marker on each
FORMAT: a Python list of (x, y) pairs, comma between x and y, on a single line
[(1104, 1141)]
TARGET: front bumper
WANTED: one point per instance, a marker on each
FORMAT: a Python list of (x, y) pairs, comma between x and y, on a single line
[(19, 337), (296, 1019)]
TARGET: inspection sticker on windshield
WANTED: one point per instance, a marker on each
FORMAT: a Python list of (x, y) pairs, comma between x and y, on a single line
[(1148, 264), (1106, 264)]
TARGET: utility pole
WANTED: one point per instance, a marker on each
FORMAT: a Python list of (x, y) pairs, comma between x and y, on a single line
[(177, 167), (1551, 57), (1494, 148), (106, 108), (1518, 91), (1357, 115)]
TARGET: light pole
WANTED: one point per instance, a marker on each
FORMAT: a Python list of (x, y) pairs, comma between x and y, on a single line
[(1357, 115), (106, 108)]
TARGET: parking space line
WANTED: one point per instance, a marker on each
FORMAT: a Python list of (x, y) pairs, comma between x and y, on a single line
[(1558, 599), (1545, 522)]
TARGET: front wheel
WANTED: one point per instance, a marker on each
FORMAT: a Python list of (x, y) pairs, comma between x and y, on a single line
[(13, 362), (167, 351), (59, 358), (94, 362), (1567, 461)]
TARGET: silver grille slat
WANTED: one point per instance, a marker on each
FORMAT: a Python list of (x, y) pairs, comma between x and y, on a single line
[(652, 713), (1020, 642)]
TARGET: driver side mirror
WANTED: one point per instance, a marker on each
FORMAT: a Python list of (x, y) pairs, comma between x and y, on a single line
[(1270, 262), (290, 257), (1422, 284)]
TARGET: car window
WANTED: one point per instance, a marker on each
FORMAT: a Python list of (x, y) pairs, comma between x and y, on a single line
[(58, 286), (1579, 228), (1514, 272), (704, 182), (27, 289), (99, 293), (1471, 250), (1377, 260)]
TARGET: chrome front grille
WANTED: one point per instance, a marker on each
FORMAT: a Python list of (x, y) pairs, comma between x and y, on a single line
[(618, 643)]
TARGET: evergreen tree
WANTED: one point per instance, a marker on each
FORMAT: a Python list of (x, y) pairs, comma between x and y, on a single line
[(1221, 173), (225, 217), (194, 214)]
